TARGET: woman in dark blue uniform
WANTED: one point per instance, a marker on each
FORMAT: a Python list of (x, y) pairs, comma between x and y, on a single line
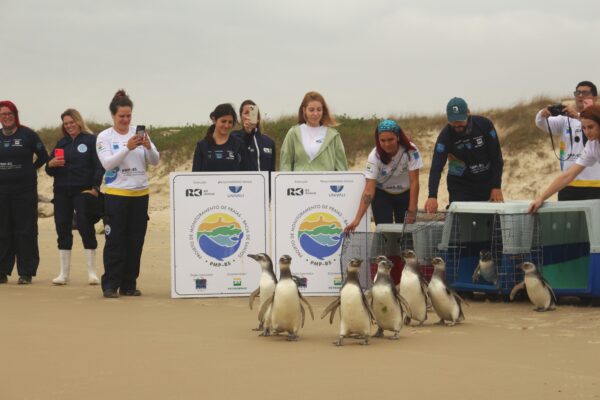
[(219, 151), (77, 174), (18, 195)]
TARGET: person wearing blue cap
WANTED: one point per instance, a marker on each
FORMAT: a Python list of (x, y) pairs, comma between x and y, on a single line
[(470, 145), (392, 186)]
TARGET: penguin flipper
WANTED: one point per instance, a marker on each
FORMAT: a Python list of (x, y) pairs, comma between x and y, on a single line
[(476, 273), (253, 296), (265, 307), (303, 314), (547, 285), (404, 304), (513, 292), (308, 305), (368, 307), (331, 308)]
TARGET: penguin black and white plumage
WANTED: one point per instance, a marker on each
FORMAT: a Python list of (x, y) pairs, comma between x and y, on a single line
[(266, 286), (539, 291), (386, 302), (413, 288), (486, 268), (286, 310), (355, 313), (446, 302)]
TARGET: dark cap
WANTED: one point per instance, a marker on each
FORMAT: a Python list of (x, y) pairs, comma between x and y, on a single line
[(457, 110)]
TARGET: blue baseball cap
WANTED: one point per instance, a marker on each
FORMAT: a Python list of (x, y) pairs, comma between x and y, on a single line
[(457, 110)]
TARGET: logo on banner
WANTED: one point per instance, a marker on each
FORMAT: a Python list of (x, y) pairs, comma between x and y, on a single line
[(216, 235), (200, 283), (235, 189), (193, 192), (336, 191), (319, 235)]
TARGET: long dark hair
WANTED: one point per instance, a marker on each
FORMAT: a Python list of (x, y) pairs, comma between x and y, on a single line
[(221, 110), (120, 99), (402, 140)]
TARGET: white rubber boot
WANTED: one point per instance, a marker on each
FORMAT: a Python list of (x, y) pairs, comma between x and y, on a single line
[(90, 258), (65, 267)]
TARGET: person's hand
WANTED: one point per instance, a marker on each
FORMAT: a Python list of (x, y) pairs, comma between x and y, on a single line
[(572, 112), (351, 227), (134, 142), (146, 142), (91, 191), (496, 196), (248, 126), (410, 217), (431, 205), (56, 162), (545, 113), (535, 205)]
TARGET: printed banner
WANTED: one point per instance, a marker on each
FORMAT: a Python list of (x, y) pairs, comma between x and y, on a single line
[(310, 213), (217, 219)]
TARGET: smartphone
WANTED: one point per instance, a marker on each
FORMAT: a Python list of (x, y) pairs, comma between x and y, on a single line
[(140, 130), (59, 154), (253, 114), (587, 102)]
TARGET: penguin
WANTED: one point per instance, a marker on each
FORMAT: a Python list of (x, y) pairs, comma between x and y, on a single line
[(413, 288), (266, 286), (286, 310), (539, 291), (355, 313), (486, 268), (446, 302), (386, 302)]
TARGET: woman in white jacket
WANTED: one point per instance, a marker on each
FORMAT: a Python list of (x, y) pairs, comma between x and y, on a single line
[(124, 155)]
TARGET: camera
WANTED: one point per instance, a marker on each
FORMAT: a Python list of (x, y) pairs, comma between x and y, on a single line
[(557, 109)]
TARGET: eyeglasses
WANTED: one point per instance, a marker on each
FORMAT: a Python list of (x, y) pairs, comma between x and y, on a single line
[(6, 114), (583, 93)]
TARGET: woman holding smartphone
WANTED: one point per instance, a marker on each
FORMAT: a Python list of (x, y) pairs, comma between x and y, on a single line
[(77, 174), (124, 155), (313, 144), (219, 151), (392, 174), (18, 195), (260, 148)]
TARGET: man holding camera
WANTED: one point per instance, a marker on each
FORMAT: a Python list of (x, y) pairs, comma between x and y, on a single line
[(563, 121), (470, 146)]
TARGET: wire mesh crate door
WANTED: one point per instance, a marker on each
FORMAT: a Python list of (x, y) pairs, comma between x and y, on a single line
[(424, 237), (362, 245), (516, 239)]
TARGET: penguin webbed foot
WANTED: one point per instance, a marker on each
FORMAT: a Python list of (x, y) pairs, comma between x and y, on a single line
[(340, 341), (265, 332), (365, 342), (440, 322), (396, 336), (292, 337), (379, 333), (260, 327)]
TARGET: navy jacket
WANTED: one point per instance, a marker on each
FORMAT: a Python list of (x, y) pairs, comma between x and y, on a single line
[(474, 159), (229, 156), (82, 167), (260, 150)]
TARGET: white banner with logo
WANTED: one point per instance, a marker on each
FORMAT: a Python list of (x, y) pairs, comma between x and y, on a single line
[(217, 219), (310, 211)]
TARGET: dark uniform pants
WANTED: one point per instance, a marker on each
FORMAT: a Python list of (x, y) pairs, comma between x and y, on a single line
[(19, 233), (125, 223), (65, 202), (389, 208), (579, 193)]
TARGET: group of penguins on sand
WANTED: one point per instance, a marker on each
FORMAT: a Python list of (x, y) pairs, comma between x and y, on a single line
[(386, 304)]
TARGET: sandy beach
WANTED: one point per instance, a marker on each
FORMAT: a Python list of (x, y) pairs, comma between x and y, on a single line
[(70, 343)]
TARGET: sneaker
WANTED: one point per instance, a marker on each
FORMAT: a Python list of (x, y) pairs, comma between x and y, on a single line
[(110, 294), (24, 280), (3, 278), (130, 292)]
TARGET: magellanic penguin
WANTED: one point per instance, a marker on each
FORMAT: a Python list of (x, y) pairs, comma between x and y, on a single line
[(266, 285), (446, 302), (287, 312), (413, 287), (386, 302), (355, 313), (486, 268), (539, 291)]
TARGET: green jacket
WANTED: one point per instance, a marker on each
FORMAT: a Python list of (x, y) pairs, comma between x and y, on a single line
[(331, 155)]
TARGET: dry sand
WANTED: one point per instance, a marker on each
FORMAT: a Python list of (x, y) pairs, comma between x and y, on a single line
[(70, 343)]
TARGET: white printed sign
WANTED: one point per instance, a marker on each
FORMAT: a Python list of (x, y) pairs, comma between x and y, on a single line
[(310, 213), (217, 219)]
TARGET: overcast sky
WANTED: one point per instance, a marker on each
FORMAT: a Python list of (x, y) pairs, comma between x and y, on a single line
[(178, 59)]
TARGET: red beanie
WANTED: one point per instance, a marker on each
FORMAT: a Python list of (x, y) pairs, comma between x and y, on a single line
[(11, 106)]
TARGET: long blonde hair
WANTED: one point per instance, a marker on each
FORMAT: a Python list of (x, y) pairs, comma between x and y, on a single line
[(73, 113)]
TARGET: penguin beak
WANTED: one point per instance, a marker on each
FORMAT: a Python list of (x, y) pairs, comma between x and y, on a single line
[(253, 256)]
